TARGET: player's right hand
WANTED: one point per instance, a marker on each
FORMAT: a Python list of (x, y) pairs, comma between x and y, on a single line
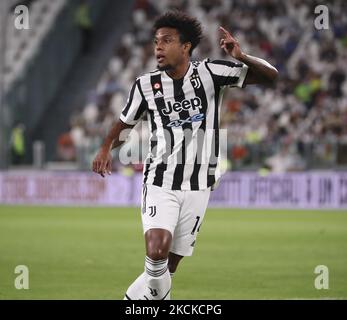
[(102, 163)]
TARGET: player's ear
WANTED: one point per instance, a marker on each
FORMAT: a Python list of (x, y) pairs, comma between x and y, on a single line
[(187, 46)]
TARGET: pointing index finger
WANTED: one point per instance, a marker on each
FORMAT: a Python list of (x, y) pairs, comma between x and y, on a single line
[(223, 30)]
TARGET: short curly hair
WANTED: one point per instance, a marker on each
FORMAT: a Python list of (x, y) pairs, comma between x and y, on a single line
[(189, 28)]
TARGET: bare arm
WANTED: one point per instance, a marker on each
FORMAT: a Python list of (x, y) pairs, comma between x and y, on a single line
[(102, 163), (112, 138), (259, 70)]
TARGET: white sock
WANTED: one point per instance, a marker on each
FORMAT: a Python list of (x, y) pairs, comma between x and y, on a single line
[(137, 289), (168, 297), (158, 279)]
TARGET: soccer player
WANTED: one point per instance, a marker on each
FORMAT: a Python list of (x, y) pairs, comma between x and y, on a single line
[(182, 100)]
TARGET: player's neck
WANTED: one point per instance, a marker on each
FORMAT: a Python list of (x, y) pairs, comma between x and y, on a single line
[(179, 71)]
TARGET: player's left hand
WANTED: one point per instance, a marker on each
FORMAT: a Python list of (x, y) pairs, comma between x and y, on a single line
[(230, 44)]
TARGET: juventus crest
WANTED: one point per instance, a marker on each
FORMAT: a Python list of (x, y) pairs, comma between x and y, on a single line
[(195, 80)]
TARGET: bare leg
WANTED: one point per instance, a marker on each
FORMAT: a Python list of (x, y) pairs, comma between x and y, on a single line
[(158, 243), (174, 259)]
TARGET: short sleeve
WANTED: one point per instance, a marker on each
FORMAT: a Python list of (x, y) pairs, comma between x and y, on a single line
[(136, 105), (227, 73)]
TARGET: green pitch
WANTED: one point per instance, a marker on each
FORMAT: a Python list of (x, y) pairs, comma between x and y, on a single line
[(95, 253)]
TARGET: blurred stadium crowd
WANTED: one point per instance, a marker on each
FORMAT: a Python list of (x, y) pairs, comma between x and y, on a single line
[(301, 123)]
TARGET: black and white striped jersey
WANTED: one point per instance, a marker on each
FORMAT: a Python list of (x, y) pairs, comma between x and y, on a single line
[(184, 122)]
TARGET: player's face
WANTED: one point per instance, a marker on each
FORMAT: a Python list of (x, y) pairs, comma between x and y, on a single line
[(168, 49)]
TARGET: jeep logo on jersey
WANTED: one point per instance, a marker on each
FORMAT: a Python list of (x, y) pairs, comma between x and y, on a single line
[(180, 122), (185, 104)]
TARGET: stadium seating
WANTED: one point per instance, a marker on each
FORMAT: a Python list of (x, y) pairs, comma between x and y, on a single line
[(23, 44)]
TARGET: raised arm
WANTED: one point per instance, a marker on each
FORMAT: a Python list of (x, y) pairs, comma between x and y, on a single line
[(259, 70)]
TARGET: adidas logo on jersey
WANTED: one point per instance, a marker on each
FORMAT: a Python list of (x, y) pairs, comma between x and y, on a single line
[(158, 95), (194, 103)]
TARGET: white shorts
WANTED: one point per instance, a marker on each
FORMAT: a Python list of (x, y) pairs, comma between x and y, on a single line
[(180, 212)]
